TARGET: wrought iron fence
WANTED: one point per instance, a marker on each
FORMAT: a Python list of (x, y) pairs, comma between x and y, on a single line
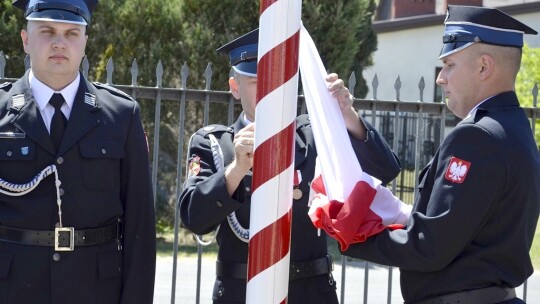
[(414, 130)]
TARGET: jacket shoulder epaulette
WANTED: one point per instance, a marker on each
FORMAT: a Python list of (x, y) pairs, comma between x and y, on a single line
[(302, 121), (6, 86), (112, 90), (214, 129)]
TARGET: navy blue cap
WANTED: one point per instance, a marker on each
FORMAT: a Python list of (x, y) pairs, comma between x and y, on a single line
[(66, 11), (465, 25), (242, 53)]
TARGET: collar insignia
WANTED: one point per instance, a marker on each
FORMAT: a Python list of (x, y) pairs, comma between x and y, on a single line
[(18, 102), (90, 99)]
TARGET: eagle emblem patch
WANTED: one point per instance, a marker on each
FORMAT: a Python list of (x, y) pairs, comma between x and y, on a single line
[(194, 166), (457, 170)]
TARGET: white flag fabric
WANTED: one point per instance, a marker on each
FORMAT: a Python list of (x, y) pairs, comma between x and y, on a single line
[(359, 205)]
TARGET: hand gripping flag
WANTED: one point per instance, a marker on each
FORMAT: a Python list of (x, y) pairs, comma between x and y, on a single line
[(359, 206)]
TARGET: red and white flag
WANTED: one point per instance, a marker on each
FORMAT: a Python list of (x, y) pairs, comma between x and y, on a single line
[(359, 206)]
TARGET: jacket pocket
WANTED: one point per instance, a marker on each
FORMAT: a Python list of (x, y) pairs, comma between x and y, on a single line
[(101, 164), (14, 155)]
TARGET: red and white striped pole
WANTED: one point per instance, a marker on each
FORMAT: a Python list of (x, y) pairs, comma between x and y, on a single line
[(273, 167)]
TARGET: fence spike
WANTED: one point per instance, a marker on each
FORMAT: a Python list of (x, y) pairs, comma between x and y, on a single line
[(2, 64), (535, 94), (421, 87), (352, 82), (159, 74), (134, 72), (110, 70), (26, 62), (208, 75), (85, 66), (375, 85), (184, 75), (397, 87)]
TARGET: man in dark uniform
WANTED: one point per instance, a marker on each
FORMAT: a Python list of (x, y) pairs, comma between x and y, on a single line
[(76, 207), (473, 223), (217, 192)]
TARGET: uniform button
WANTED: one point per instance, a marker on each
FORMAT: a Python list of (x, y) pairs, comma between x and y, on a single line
[(219, 204), (61, 190), (103, 151), (56, 257), (60, 160), (9, 153), (57, 225), (248, 189), (371, 133)]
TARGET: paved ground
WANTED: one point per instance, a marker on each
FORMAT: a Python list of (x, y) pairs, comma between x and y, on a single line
[(186, 283)]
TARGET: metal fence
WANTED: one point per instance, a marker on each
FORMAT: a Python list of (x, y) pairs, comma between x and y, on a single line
[(414, 130)]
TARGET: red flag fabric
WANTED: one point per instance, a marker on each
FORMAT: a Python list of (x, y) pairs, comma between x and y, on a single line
[(355, 205)]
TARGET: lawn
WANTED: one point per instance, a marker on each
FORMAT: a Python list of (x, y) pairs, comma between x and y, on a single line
[(188, 247)]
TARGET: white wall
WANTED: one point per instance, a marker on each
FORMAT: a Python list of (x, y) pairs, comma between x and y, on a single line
[(414, 53)]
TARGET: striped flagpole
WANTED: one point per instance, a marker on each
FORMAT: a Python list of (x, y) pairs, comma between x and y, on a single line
[(273, 167)]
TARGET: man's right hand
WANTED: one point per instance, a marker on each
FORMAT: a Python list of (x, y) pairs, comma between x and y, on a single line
[(243, 143)]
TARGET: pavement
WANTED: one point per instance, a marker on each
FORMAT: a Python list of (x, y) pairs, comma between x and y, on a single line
[(187, 291)]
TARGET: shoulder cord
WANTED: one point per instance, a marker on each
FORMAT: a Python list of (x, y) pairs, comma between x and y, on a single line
[(240, 232), (22, 189)]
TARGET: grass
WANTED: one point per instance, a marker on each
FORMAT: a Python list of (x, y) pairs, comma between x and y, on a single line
[(535, 249), (188, 247)]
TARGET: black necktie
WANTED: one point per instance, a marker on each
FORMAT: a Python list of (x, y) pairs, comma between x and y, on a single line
[(58, 122)]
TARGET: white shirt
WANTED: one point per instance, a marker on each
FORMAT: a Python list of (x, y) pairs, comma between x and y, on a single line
[(42, 94)]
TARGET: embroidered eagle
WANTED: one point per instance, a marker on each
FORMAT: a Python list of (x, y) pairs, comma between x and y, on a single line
[(457, 170)]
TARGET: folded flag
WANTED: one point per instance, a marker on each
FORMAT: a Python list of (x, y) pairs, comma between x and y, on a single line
[(359, 206)]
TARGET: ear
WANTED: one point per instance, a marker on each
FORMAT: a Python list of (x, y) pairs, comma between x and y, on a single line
[(487, 65), (233, 85), (24, 38)]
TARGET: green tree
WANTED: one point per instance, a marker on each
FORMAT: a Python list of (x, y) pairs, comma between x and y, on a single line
[(343, 35), (343, 48), (528, 76), (11, 23)]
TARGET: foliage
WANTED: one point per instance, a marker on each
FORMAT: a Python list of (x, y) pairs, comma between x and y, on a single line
[(343, 48), (342, 33), (11, 23), (528, 76)]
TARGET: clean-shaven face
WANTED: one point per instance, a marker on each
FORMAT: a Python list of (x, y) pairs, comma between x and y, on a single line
[(458, 78), (55, 49)]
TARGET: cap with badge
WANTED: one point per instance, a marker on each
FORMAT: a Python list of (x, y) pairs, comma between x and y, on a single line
[(242, 53), (465, 25), (66, 11)]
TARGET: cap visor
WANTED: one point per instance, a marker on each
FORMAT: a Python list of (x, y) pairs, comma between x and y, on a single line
[(57, 16), (248, 68), (451, 48)]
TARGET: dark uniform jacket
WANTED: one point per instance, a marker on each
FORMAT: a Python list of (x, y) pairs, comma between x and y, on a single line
[(103, 167), (475, 216), (205, 203)]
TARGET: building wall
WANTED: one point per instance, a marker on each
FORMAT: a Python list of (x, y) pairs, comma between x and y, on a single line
[(413, 53)]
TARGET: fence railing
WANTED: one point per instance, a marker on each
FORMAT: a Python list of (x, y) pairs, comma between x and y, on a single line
[(414, 130)]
